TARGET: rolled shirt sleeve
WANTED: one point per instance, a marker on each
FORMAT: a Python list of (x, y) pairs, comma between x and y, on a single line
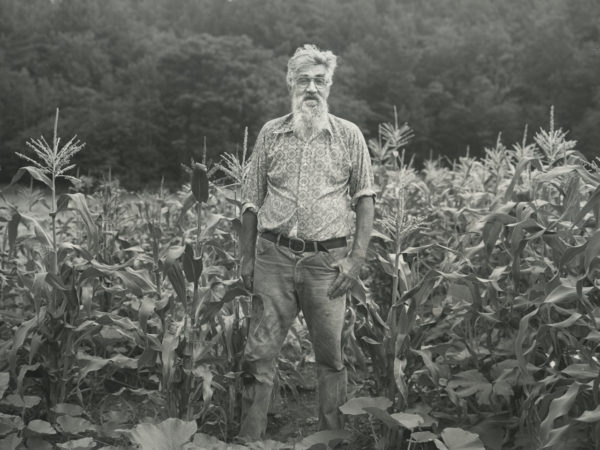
[(254, 182), (361, 182)]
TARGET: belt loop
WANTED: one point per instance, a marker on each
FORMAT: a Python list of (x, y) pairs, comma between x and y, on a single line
[(278, 239)]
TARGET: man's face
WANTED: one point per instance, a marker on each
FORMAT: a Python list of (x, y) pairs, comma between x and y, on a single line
[(311, 86)]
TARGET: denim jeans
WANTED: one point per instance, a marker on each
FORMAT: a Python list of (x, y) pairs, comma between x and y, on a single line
[(287, 282)]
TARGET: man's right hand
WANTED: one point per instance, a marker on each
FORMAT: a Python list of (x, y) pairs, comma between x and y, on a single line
[(247, 272)]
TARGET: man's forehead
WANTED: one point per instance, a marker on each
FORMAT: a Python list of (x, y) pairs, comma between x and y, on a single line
[(311, 70)]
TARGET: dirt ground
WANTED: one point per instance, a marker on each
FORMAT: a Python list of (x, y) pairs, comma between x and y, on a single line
[(293, 417)]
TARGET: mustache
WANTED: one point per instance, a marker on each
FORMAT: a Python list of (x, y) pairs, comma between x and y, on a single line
[(311, 97)]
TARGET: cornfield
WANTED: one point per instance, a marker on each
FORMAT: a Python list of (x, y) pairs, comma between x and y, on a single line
[(474, 325)]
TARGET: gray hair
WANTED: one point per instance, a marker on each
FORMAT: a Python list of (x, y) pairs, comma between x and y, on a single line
[(310, 54)]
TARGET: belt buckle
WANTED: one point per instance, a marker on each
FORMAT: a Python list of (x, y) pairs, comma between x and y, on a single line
[(291, 241)]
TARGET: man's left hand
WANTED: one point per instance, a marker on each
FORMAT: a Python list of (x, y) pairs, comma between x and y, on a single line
[(349, 268)]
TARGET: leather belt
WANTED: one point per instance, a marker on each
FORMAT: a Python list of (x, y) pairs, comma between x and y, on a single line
[(301, 245)]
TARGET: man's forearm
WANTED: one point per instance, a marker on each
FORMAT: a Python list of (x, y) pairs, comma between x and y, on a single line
[(350, 266), (365, 212), (248, 234)]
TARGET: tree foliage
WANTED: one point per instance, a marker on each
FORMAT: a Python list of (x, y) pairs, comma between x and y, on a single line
[(146, 82)]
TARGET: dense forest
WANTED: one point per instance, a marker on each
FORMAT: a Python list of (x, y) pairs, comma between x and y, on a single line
[(147, 83)]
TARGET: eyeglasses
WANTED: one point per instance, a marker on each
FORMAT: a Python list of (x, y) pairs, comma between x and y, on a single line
[(304, 82)]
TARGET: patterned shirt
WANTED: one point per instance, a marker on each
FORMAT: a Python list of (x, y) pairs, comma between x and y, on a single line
[(307, 189)]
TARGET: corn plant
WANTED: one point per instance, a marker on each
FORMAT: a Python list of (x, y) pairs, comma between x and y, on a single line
[(201, 329), (478, 325), (61, 280), (519, 305), (53, 306), (386, 150)]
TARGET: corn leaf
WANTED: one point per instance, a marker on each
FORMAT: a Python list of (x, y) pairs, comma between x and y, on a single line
[(203, 372), (147, 306), (556, 172), (147, 358), (189, 201), (209, 226), (169, 344), (574, 317), (39, 231), (88, 363), (400, 377), (136, 281), (517, 175), (590, 416), (34, 172), (4, 380), (10, 423), (571, 252), (79, 204), (114, 319), (86, 443), (10, 442), (592, 250), (472, 382), (562, 294), (23, 369), (592, 203), (490, 234), (522, 335), (111, 269), (558, 407), (21, 335), (433, 368), (555, 436), (582, 372)]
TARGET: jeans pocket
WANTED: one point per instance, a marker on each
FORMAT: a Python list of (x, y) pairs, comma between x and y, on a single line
[(333, 255), (263, 246)]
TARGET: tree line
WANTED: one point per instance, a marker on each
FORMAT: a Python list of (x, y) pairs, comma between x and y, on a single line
[(146, 84)]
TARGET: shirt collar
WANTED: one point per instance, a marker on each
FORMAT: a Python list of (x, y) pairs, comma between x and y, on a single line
[(286, 125)]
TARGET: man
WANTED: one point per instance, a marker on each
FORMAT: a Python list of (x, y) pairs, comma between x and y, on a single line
[(309, 170)]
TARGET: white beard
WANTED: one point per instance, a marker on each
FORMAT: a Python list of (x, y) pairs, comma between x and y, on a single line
[(307, 121)]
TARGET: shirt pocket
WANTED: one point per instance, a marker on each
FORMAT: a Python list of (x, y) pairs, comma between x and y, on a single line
[(337, 165)]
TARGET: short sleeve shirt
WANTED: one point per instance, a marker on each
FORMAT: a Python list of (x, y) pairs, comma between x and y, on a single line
[(308, 188)]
